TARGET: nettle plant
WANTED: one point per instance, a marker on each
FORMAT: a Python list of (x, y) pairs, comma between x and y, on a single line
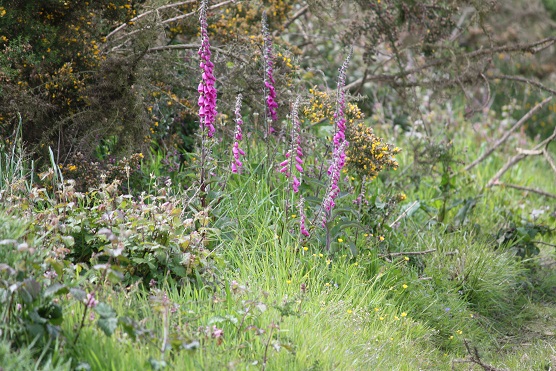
[(328, 181)]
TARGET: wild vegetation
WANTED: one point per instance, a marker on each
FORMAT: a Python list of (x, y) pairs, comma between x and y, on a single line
[(277, 185)]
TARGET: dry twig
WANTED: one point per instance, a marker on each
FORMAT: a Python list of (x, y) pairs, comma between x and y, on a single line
[(538, 149), (527, 189), (195, 46), (507, 134), (532, 48), (408, 253), (474, 357), (124, 25)]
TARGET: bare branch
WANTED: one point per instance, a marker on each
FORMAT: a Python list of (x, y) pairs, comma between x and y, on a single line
[(507, 134), (299, 13), (532, 48), (194, 46), (475, 358), (520, 156), (123, 25), (403, 214), (216, 6), (170, 20), (549, 159), (527, 189), (408, 253), (524, 80), (544, 243)]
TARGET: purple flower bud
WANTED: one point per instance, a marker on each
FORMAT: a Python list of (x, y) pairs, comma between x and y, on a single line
[(268, 76), (236, 151)]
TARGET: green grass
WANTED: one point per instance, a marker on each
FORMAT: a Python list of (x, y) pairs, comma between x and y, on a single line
[(283, 305)]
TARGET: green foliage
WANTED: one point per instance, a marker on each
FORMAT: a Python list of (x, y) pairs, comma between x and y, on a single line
[(551, 7), (173, 262)]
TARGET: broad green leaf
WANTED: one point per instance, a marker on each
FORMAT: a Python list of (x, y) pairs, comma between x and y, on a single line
[(108, 325), (55, 290), (105, 311)]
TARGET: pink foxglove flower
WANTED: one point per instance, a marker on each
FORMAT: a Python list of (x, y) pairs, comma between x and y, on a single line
[(269, 82), (339, 116), (294, 156), (90, 301), (238, 136), (302, 217), (340, 145), (206, 89), (338, 162)]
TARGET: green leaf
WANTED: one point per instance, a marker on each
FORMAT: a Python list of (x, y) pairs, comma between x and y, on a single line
[(35, 316), (68, 241), (352, 248), (128, 326), (410, 209), (35, 330), (157, 365), (55, 290), (56, 265), (179, 270), (105, 311), (52, 312), (341, 226), (216, 319), (108, 325), (78, 294), (30, 290)]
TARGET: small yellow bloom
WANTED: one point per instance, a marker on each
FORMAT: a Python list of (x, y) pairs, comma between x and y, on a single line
[(328, 261), (293, 216), (451, 337), (377, 309), (320, 255), (289, 282), (404, 286), (340, 240), (305, 248), (381, 318), (404, 314), (406, 258), (349, 311)]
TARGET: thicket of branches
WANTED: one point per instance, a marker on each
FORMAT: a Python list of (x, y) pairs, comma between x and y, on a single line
[(125, 72)]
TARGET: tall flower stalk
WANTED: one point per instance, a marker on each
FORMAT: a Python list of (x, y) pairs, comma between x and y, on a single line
[(206, 89), (207, 100), (238, 136), (339, 116), (339, 143), (334, 172), (294, 156), (269, 82), (302, 217)]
